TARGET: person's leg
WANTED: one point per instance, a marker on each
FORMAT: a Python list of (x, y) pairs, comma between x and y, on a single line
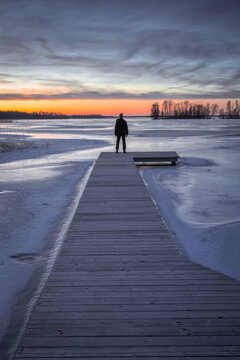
[(124, 143), (117, 144)]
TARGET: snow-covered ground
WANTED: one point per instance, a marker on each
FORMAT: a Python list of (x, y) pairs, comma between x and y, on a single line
[(40, 187)]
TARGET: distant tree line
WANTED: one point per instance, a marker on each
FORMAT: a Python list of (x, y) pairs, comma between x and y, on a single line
[(232, 110), (187, 110), (183, 110), (34, 115), (86, 116), (11, 115)]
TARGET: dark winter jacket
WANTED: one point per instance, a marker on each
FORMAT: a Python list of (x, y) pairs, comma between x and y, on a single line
[(121, 127)]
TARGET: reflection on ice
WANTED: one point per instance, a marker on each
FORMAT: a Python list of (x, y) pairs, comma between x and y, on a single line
[(6, 191)]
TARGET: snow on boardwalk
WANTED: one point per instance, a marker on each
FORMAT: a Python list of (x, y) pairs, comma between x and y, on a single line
[(120, 289)]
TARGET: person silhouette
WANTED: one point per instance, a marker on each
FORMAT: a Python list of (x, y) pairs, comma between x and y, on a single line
[(121, 131)]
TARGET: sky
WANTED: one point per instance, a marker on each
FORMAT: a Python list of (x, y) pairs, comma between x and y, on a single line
[(111, 56)]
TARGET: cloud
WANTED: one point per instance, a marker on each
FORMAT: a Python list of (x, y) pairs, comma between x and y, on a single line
[(101, 95), (133, 45)]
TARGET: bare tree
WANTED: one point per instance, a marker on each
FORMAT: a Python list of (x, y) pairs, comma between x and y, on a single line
[(170, 107), (155, 112), (187, 110), (165, 107), (214, 109), (221, 112), (237, 108), (229, 108)]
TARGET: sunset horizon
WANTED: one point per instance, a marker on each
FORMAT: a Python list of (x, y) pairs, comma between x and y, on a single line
[(96, 107)]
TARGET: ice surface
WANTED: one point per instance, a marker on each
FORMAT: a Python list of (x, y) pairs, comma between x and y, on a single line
[(199, 198), (37, 189)]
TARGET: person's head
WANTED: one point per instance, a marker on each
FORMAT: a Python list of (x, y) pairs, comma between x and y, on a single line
[(120, 116)]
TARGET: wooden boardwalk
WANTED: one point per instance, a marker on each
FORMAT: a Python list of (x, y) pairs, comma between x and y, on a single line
[(120, 289)]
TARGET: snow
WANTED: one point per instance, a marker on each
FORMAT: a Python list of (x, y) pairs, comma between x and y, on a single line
[(200, 198), (39, 190)]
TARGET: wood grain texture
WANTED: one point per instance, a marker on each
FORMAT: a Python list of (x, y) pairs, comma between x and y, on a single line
[(120, 287)]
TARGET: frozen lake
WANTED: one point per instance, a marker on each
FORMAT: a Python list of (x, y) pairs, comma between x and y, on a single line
[(39, 189)]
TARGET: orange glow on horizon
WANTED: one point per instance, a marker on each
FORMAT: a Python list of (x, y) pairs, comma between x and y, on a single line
[(92, 106)]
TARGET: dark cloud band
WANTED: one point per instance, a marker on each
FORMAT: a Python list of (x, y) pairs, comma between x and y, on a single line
[(120, 95)]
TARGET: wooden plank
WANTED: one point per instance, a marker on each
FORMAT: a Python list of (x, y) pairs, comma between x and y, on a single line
[(116, 288), (137, 351), (130, 341), (140, 307), (53, 300), (128, 358), (111, 279), (136, 327), (175, 323), (181, 314), (76, 282), (121, 289), (152, 294)]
